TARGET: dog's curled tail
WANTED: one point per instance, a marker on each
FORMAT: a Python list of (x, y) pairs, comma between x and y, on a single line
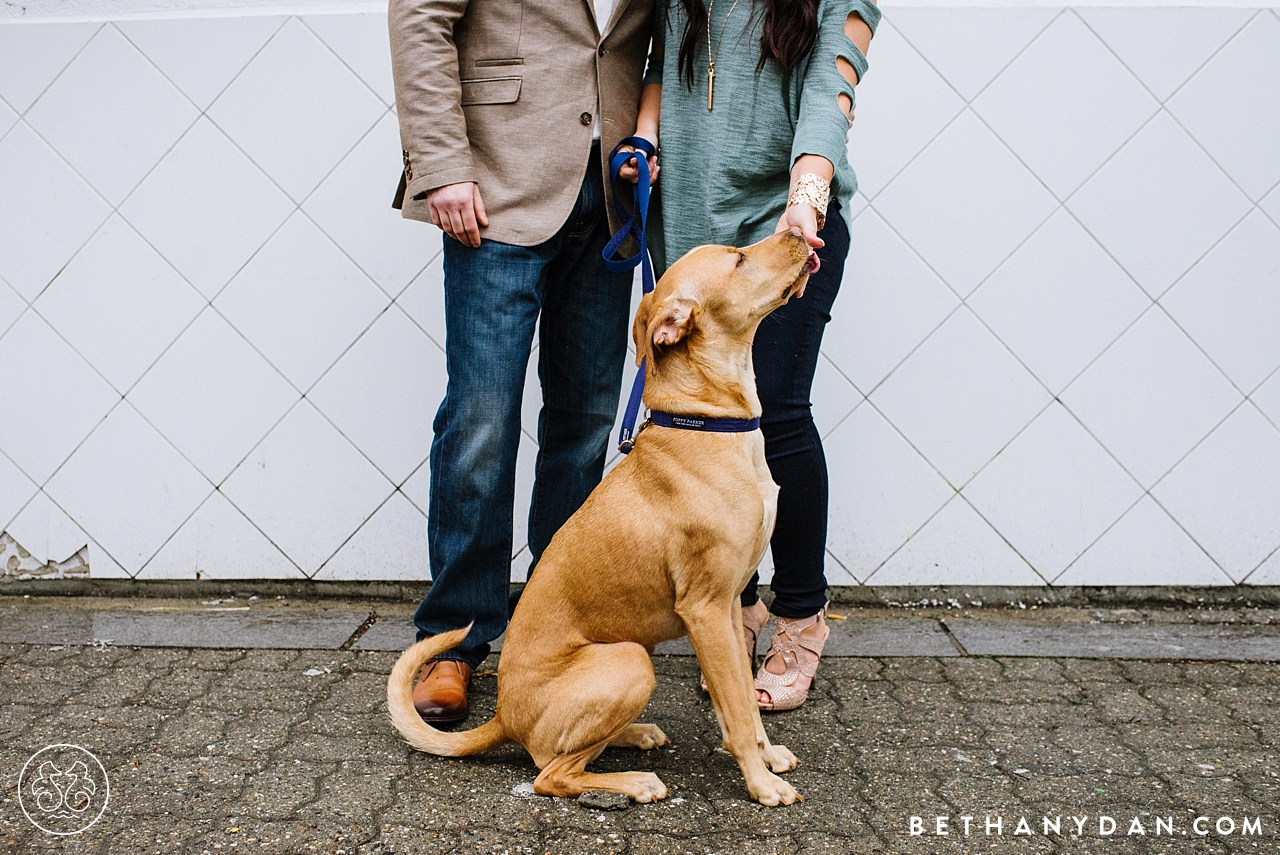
[(405, 718)]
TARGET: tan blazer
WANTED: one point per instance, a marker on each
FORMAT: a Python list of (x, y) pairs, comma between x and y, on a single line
[(504, 93)]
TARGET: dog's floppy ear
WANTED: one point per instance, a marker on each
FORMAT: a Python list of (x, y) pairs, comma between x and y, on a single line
[(672, 321), (640, 329)]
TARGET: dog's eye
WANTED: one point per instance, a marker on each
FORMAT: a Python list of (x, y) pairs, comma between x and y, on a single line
[(741, 258)]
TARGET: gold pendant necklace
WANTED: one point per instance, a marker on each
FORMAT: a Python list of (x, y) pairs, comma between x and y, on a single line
[(712, 57)]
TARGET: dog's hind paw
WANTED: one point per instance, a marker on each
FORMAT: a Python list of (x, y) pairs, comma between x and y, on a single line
[(645, 787), (772, 790), (642, 736), (779, 759)]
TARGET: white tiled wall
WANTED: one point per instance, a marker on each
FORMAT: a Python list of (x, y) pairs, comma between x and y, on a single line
[(1054, 359)]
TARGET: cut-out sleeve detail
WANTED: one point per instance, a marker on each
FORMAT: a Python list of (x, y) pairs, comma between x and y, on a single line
[(823, 128)]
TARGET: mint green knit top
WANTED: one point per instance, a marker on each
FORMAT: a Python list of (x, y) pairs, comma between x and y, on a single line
[(726, 172)]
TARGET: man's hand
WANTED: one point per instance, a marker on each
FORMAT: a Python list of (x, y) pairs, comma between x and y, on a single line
[(459, 211), (801, 219)]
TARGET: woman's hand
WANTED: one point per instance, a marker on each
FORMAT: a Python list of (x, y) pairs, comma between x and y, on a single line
[(803, 220), (631, 170)]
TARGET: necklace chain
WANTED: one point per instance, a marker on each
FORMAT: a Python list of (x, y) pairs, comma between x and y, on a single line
[(712, 57)]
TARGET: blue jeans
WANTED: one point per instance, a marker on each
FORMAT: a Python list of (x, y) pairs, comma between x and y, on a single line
[(493, 298)]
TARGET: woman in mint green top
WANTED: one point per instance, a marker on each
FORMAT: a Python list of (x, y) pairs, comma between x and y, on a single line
[(753, 100), (727, 171)]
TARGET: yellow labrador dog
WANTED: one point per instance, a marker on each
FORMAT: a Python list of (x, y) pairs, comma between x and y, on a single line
[(662, 548)]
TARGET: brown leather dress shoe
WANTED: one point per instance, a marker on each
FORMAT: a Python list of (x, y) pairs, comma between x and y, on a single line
[(440, 695)]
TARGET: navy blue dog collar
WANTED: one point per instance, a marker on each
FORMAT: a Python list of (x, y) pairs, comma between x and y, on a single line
[(704, 423)]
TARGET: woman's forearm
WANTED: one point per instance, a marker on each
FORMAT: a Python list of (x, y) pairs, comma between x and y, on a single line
[(815, 163), (650, 111)]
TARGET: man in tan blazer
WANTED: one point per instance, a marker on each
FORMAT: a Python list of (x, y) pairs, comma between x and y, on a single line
[(504, 107)]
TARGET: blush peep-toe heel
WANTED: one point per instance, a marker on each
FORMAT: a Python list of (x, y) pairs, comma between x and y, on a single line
[(787, 690)]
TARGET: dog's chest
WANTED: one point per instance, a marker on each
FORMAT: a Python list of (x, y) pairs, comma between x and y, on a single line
[(768, 497)]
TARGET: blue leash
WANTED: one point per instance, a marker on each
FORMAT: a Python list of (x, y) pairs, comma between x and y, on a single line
[(634, 224)]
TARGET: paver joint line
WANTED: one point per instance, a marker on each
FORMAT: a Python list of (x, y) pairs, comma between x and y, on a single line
[(951, 635), (359, 631)]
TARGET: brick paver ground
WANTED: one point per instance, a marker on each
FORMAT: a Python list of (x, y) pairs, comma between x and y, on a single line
[(286, 751)]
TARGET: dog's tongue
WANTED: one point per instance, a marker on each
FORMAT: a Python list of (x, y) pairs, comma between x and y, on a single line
[(813, 264)]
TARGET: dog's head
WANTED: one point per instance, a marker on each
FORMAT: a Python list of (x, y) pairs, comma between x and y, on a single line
[(720, 294)]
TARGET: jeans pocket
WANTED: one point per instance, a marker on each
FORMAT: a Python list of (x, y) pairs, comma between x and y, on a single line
[(584, 223)]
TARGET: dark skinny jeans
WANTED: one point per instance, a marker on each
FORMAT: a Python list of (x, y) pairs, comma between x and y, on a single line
[(785, 356)]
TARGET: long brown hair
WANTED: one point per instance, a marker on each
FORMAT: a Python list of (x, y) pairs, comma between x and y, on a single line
[(790, 29)]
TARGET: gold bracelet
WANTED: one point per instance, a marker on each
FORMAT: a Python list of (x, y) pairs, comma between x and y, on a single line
[(811, 189)]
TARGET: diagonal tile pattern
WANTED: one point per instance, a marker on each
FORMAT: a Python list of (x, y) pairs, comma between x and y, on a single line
[(128, 487), (969, 46), (1151, 397), (1059, 301), (47, 212), (296, 110), (8, 118), (16, 489), (390, 421), (1163, 46), (1225, 492), (119, 304), (1076, 493), (1081, 203), (201, 56), (1140, 215), (213, 396), (353, 208), (361, 42), (135, 113), (965, 203), (307, 487), (32, 56), (1229, 303), (960, 397), (207, 208), (1239, 125), (11, 306), (1065, 104), (301, 331), (51, 380)]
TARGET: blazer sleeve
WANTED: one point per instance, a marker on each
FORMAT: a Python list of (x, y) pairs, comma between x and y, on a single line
[(424, 64), (823, 128)]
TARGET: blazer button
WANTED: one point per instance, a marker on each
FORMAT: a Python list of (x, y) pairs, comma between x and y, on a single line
[(602, 50), (585, 118)]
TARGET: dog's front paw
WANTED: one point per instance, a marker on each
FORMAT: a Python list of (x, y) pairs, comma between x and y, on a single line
[(779, 759), (772, 790)]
